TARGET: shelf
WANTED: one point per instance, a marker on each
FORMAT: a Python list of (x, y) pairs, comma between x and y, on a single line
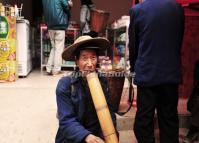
[(119, 29), (64, 65), (119, 43)]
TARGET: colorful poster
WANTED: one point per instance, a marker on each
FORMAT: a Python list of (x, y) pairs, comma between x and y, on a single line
[(8, 71), (7, 48), (7, 27)]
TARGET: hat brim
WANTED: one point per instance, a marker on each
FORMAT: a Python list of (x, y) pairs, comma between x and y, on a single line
[(102, 45)]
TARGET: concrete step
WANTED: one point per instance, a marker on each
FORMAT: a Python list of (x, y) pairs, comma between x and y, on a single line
[(126, 122), (127, 136)]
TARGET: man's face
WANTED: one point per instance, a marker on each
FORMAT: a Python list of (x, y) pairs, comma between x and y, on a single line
[(87, 61)]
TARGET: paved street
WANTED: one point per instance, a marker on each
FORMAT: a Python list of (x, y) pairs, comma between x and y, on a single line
[(28, 111)]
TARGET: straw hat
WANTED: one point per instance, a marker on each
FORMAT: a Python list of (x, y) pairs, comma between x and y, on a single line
[(85, 42)]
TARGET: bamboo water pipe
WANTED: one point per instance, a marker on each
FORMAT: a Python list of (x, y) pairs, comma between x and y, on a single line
[(101, 108)]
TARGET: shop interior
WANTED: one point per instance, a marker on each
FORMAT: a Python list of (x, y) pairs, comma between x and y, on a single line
[(29, 92), (38, 38)]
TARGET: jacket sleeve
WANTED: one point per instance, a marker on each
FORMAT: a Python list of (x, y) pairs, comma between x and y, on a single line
[(133, 48), (66, 8), (64, 3), (68, 122)]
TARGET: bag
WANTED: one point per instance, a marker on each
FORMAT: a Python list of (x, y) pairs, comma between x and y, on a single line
[(116, 88), (99, 20)]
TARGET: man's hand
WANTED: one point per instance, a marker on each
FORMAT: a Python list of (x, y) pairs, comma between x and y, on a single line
[(93, 139)]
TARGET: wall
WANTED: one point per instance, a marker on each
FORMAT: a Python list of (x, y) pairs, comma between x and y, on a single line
[(117, 8), (190, 51)]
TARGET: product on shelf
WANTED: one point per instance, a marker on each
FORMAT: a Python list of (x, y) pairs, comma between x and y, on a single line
[(105, 63), (2, 10)]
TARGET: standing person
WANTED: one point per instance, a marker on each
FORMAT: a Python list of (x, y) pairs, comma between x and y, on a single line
[(85, 15), (57, 15), (155, 39), (78, 121)]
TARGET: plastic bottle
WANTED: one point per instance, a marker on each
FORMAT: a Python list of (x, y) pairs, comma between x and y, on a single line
[(2, 11), (16, 11), (12, 11)]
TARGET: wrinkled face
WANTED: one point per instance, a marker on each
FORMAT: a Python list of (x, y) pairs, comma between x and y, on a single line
[(87, 61)]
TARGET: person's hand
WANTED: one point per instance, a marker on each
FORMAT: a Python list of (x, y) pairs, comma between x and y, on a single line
[(93, 139), (70, 3), (92, 6)]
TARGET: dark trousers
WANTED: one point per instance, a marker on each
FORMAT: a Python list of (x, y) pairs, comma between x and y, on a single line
[(163, 98), (193, 106)]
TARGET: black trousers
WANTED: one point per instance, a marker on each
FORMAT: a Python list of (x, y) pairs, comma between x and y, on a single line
[(163, 99), (193, 106)]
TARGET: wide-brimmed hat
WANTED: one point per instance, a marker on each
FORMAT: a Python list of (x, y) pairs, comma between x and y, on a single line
[(85, 42)]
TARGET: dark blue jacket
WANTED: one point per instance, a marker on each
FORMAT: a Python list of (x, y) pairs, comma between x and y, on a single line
[(155, 39), (56, 14), (71, 108)]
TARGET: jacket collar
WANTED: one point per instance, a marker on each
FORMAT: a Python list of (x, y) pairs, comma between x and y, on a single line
[(74, 79)]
